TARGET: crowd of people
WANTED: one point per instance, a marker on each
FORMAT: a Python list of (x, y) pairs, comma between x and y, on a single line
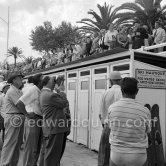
[(36, 120), (125, 37)]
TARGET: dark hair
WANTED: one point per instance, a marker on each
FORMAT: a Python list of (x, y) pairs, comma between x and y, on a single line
[(129, 86), (30, 79), (37, 79), (137, 21), (59, 80), (45, 80)]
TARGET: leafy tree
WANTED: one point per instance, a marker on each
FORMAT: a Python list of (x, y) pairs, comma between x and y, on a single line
[(98, 21), (15, 52), (47, 39), (146, 11), (66, 34), (42, 38)]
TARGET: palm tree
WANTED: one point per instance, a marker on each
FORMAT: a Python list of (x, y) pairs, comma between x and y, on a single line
[(98, 22), (28, 60), (146, 11), (16, 53)]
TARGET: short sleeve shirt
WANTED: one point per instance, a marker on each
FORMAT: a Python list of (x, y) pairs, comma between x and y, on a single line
[(11, 98), (109, 97), (30, 98)]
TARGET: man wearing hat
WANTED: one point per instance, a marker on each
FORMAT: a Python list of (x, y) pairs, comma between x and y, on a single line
[(109, 97), (14, 122)]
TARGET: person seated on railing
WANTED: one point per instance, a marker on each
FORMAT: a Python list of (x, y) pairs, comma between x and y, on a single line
[(111, 37), (102, 46), (140, 36), (122, 37), (88, 46), (159, 35)]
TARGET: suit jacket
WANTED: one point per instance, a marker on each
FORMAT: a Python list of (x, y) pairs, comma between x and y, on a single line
[(54, 119)]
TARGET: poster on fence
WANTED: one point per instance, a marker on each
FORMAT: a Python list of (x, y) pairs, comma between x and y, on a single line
[(154, 79)]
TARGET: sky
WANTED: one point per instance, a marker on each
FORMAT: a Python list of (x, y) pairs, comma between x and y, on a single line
[(25, 15)]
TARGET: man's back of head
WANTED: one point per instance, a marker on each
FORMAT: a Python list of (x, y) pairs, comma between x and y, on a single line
[(129, 87)]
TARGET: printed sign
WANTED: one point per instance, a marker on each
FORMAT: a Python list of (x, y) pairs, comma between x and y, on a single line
[(151, 78)]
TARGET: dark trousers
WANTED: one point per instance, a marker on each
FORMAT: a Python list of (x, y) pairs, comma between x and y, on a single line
[(53, 149), (42, 154), (64, 144), (14, 127), (104, 148), (32, 141)]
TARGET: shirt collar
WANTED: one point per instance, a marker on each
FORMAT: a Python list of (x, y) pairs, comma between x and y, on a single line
[(37, 88), (45, 88), (128, 99)]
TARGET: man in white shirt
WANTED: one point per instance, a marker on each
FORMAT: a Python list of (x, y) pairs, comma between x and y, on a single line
[(111, 36), (109, 97), (29, 83), (32, 127), (159, 35), (2, 108)]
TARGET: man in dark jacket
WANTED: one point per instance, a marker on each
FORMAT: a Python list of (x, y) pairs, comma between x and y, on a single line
[(140, 36), (55, 126)]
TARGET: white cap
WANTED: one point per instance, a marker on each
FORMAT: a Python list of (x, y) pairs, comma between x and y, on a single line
[(115, 75)]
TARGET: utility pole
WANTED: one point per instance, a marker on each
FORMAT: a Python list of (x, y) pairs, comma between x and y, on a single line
[(7, 34)]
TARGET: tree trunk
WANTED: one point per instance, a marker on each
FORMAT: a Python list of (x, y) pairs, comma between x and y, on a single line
[(15, 61)]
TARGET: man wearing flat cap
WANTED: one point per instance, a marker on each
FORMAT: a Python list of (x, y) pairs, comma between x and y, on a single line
[(14, 122), (109, 97)]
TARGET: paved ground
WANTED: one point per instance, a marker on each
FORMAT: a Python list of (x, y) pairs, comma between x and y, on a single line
[(77, 155)]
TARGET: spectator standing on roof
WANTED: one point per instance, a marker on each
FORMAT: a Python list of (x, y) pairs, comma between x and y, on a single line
[(83, 47), (140, 36), (111, 37), (122, 37), (88, 46), (95, 43), (159, 35), (102, 46)]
